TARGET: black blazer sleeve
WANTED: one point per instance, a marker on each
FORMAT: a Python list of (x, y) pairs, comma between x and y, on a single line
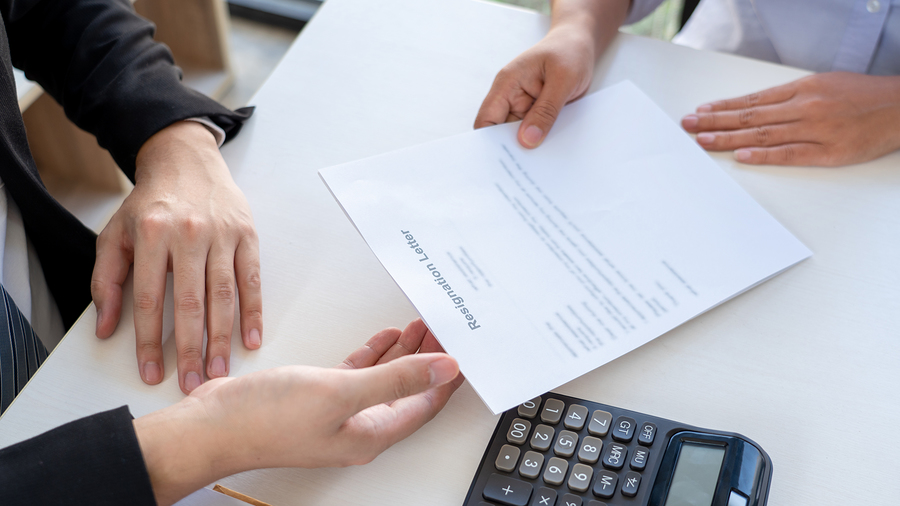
[(92, 461), (98, 59)]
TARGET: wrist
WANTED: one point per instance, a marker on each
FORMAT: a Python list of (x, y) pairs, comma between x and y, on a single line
[(171, 147), (597, 21), (183, 450)]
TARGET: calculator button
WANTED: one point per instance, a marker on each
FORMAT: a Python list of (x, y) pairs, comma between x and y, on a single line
[(542, 438), (556, 471), (565, 444), (580, 479), (506, 490), (552, 411), (518, 431), (507, 459), (648, 434), (570, 500), (544, 497), (595, 503), (605, 484), (623, 430), (531, 465), (529, 409), (614, 457), (631, 484), (639, 458), (589, 451), (575, 417), (600, 422)]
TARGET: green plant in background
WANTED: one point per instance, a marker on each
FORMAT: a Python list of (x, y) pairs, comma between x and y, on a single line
[(662, 24)]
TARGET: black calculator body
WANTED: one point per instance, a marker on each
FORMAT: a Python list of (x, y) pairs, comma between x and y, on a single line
[(557, 450)]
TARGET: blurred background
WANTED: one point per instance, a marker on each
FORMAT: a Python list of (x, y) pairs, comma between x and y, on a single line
[(227, 49)]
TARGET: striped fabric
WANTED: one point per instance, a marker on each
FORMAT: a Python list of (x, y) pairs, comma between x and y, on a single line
[(21, 351)]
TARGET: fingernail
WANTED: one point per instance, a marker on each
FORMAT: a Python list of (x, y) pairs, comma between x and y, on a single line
[(690, 121), (152, 373), (743, 155), (704, 108), (532, 136), (442, 370), (99, 320), (254, 339), (217, 368), (706, 138), (191, 381)]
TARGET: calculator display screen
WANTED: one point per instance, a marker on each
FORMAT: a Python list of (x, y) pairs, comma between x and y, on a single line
[(696, 474)]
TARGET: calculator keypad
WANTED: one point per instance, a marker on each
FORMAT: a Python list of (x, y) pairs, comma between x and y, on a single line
[(574, 456)]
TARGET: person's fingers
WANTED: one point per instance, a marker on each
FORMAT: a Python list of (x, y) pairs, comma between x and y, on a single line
[(220, 295), (150, 267), (765, 97), (399, 378), (110, 270), (368, 354), (379, 427), (408, 342), (762, 136), (494, 109), (743, 118), (543, 113), (246, 268), (430, 344), (189, 268), (804, 153)]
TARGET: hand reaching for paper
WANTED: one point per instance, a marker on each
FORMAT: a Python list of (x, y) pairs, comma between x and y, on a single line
[(185, 215), (536, 85), (831, 119), (299, 416)]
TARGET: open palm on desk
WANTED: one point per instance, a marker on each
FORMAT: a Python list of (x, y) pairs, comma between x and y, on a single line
[(831, 119)]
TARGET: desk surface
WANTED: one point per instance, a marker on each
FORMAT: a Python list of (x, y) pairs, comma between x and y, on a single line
[(805, 364)]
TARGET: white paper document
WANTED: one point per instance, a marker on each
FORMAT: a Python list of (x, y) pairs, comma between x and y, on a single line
[(533, 267)]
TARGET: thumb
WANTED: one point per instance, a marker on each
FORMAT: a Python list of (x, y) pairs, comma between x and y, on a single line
[(403, 377), (540, 118)]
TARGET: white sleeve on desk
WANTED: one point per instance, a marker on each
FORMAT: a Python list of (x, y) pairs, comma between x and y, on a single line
[(213, 128)]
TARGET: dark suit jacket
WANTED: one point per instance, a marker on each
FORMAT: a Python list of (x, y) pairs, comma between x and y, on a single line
[(98, 59)]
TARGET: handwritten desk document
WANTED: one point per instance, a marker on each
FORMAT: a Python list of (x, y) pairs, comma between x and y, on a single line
[(533, 267)]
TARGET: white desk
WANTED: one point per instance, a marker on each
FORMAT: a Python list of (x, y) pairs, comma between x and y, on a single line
[(806, 364)]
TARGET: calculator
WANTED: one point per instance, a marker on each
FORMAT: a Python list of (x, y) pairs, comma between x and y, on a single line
[(557, 450)]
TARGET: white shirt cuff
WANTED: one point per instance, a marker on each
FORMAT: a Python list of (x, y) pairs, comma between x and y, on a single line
[(213, 128)]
